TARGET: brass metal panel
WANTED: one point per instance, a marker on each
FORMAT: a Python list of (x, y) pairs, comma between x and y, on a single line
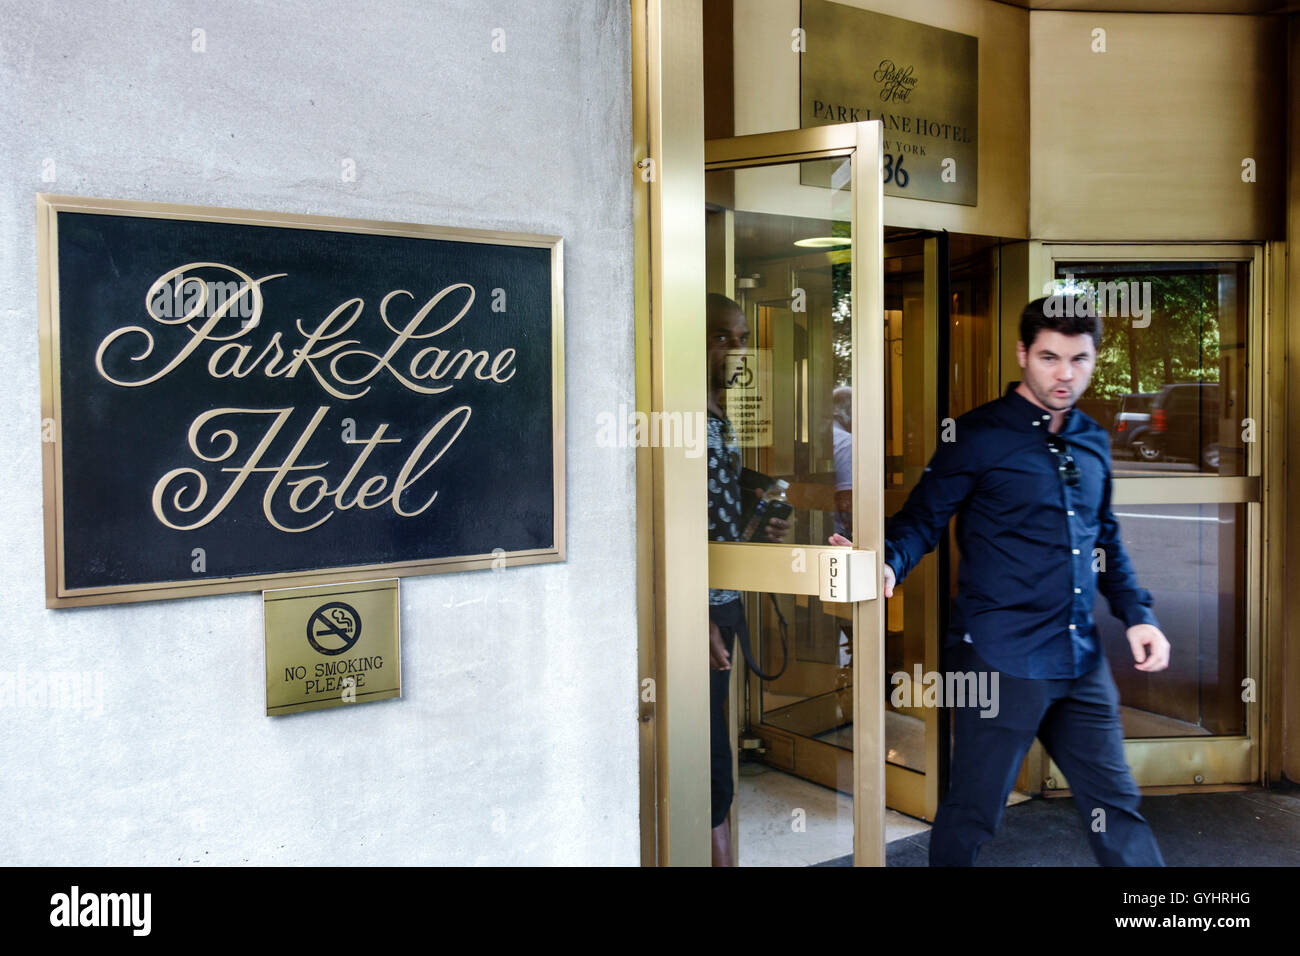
[(1159, 6), (780, 748), (1188, 490), (58, 595), (480, 562), (868, 345), (1255, 539), (674, 110), (285, 220), (824, 763), (720, 227), (921, 81), (1128, 251), (765, 149), (907, 791), (1288, 668), (933, 599), (1014, 292), (1176, 789), (767, 98), (1034, 769), (645, 564), (777, 568), (1177, 762), (1115, 148), (814, 760), (332, 646)]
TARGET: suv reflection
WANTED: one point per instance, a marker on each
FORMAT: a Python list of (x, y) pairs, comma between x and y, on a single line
[(1131, 425), (1184, 424)]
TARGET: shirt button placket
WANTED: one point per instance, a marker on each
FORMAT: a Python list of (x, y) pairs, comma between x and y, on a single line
[(1074, 568)]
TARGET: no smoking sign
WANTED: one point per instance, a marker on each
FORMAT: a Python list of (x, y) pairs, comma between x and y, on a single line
[(332, 646), (334, 628)]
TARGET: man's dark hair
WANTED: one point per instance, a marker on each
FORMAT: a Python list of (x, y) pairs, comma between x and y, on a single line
[(1067, 314), (717, 304)]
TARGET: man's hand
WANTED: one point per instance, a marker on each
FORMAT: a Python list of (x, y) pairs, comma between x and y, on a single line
[(776, 529), (887, 585), (1150, 647), (719, 659)]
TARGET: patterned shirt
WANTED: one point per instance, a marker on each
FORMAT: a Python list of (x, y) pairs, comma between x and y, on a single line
[(724, 493)]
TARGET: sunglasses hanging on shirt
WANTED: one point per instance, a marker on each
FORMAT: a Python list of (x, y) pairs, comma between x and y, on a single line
[(1069, 470)]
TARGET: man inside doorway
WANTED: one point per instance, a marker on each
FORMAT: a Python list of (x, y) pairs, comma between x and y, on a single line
[(1028, 476), (728, 333)]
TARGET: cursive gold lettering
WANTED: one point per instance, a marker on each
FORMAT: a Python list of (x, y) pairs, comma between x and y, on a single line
[(205, 332), (405, 479), (183, 491), (232, 444)]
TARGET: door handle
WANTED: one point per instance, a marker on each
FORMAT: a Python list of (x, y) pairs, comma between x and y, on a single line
[(837, 575), (847, 575)]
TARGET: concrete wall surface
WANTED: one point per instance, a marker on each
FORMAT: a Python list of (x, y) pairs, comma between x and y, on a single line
[(515, 740)]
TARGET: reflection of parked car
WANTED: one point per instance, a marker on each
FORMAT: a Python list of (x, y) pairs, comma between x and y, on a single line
[(1185, 424), (1132, 422)]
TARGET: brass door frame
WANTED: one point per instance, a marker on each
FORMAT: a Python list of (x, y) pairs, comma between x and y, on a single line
[(913, 792), (667, 177), (862, 142), (1178, 761)]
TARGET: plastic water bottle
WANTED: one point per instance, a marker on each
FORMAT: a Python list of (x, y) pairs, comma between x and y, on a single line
[(773, 505)]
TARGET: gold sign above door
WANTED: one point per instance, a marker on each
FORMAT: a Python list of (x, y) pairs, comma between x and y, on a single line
[(921, 82)]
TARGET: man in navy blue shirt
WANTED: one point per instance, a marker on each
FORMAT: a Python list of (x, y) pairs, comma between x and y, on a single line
[(1028, 476)]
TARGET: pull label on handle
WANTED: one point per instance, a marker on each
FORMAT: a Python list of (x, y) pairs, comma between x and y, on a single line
[(848, 576)]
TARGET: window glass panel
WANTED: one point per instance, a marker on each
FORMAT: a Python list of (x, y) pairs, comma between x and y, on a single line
[(1192, 559), (1170, 382)]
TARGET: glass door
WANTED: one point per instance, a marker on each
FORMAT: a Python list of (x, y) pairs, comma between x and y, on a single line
[(940, 362), (1178, 387), (796, 426)]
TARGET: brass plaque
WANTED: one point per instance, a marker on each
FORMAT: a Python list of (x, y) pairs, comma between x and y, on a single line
[(921, 82), (235, 400), (332, 646)]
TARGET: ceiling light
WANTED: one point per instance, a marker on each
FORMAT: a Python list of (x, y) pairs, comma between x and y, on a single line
[(823, 242)]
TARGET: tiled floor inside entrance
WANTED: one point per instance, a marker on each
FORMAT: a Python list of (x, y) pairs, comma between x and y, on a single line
[(768, 802)]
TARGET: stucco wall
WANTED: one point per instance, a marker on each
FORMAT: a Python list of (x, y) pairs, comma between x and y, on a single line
[(515, 741)]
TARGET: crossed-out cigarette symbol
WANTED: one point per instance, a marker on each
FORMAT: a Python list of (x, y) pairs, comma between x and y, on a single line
[(334, 628)]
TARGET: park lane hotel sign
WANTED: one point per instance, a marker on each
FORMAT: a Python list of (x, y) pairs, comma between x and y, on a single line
[(238, 400), (921, 82)]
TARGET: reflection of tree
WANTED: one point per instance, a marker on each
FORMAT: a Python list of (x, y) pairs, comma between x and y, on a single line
[(1180, 345), (842, 313)]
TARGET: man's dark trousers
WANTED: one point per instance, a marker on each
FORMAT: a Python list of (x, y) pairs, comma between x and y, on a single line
[(1078, 723)]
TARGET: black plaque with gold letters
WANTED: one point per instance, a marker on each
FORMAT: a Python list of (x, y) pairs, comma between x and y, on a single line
[(235, 400)]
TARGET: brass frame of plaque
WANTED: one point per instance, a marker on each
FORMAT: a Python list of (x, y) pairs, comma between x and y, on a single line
[(332, 645), (59, 595)]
